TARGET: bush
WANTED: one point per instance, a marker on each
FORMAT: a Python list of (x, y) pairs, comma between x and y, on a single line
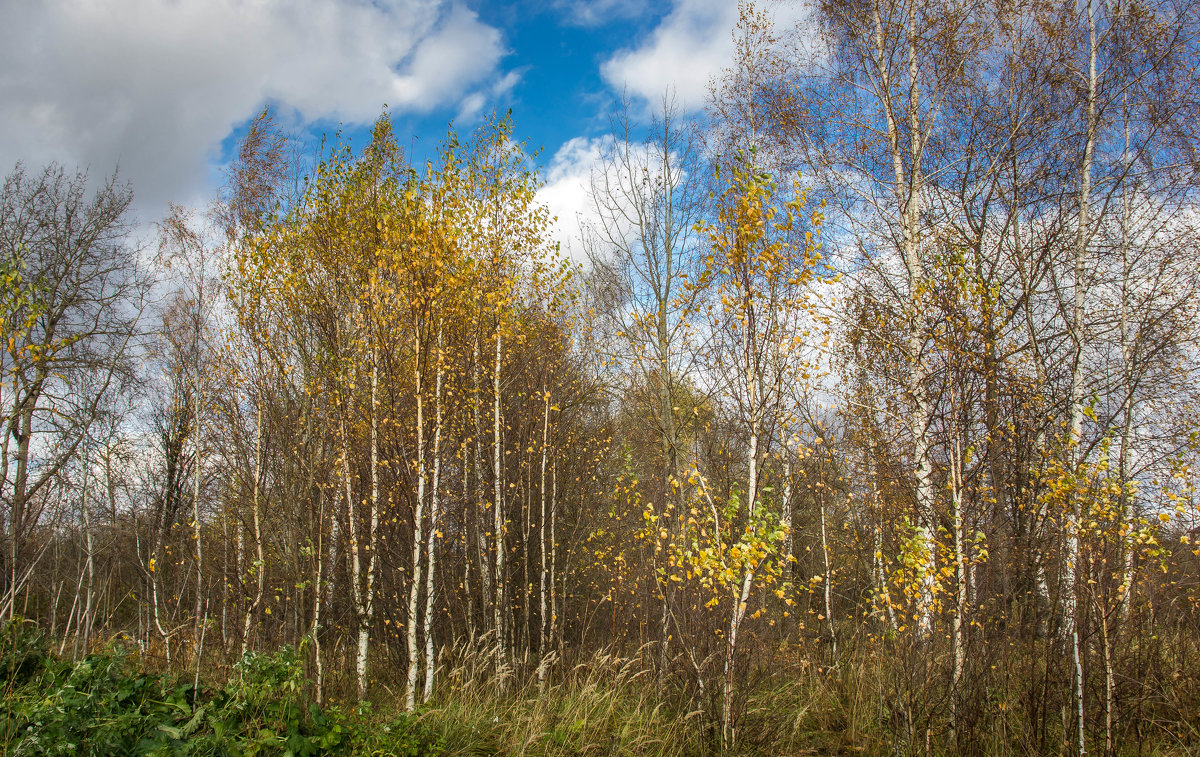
[(406, 735), (104, 705)]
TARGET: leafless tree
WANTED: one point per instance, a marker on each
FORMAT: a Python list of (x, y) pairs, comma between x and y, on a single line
[(73, 303)]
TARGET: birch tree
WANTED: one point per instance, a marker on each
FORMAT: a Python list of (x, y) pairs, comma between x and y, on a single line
[(762, 266)]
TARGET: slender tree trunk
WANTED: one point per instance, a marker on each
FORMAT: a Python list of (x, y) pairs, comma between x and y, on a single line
[(225, 567), (958, 635), (260, 563), (73, 617), (785, 516), (883, 591), (542, 574), (85, 624), (353, 553), (239, 562), (1037, 506), (500, 610), (1071, 605), (728, 734), (525, 632), (155, 602), (56, 593), (482, 559), (471, 539), (368, 600), (828, 580), (6, 433), (667, 428), (17, 515), (197, 475), (1110, 700), (908, 187), (434, 535), (553, 553), (414, 591), (319, 598), (1125, 465)]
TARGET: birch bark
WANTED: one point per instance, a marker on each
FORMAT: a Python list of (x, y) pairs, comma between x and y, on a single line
[(414, 591), (434, 534)]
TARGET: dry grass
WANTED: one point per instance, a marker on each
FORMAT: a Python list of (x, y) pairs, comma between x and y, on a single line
[(603, 705)]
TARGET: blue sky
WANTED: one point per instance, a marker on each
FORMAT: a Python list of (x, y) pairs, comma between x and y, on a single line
[(551, 76), (163, 88)]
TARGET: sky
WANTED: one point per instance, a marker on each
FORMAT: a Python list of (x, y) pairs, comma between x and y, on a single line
[(162, 89)]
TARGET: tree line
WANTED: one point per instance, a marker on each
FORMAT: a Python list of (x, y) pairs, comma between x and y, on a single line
[(878, 378)]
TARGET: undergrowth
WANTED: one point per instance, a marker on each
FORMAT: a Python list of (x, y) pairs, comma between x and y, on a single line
[(105, 704), (108, 703)]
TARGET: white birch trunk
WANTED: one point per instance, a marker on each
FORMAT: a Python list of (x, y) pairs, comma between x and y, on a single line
[(553, 555), (410, 688), (1110, 701), (319, 601), (542, 637), (1125, 463), (469, 526), (225, 567), (785, 516), (434, 503), (368, 593), (155, 602), (482, 559), (355, 565), (728, 735), (260, 565), (196, 512), (828, 582), (239, 561), (499, 608), (1071, 579), (958, 639), (908, 186), (355, 558)]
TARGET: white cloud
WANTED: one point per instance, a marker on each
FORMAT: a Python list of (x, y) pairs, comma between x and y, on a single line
[(472, 104), (155, 85), (576, 167), (565, 193), (691, 44), (690, 47)]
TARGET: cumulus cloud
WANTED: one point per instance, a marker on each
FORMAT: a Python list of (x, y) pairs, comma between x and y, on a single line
[(688, 48), (156, 85), (576, 166), (565, 193)]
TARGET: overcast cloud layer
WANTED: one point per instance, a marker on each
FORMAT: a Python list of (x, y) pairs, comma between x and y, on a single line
[(156, 85)]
